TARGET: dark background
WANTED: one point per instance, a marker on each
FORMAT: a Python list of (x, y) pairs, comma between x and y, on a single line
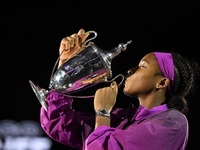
[(30, 34)]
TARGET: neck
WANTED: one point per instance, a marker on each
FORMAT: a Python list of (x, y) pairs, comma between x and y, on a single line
[(152, 99)]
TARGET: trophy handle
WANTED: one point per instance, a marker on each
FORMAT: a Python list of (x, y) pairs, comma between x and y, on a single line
[(40, 94), (122, 81), (95, 35), (92, 96)]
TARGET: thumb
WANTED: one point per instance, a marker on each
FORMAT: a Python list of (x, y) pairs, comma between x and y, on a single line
[(84, 37), (81, 32), (114, 86)]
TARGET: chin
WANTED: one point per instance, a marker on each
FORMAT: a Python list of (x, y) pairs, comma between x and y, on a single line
[(128, 94)]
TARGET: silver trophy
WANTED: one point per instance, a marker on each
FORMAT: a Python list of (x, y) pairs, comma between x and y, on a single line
[(87, 68)]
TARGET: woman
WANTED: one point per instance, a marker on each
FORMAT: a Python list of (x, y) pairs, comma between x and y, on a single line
[(160, 82)]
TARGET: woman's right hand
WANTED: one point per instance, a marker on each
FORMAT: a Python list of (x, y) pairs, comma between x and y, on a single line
[(72, 44)]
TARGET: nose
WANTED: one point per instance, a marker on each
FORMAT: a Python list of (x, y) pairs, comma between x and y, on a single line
[(132, 71)]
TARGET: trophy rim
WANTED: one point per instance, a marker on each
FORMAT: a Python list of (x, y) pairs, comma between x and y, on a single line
[(40, 94)]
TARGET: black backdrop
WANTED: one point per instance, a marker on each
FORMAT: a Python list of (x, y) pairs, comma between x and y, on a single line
[(30, 35)]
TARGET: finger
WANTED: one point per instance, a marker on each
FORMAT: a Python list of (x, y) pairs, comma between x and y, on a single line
[(98, 92), (65, 44), (81, 32), (84, 37), (114, 86), (71, 41), (76, 38)]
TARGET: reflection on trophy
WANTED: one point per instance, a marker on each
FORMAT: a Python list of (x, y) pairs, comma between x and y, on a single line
[(88, 67)]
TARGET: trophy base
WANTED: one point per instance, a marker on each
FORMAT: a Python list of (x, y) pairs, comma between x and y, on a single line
[(40, 94)]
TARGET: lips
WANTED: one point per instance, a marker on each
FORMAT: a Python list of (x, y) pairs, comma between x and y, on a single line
[(126, 79), (125, 83)]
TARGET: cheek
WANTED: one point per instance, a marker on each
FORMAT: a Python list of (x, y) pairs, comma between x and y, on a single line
[(137, 84)]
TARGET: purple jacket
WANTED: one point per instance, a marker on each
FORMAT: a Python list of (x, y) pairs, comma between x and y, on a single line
[(158, 128)]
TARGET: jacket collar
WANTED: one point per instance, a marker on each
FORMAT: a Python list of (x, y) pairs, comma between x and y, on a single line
[(141, 112)]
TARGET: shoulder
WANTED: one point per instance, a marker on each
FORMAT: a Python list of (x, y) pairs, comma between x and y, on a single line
[(173, 118), (177, 116)]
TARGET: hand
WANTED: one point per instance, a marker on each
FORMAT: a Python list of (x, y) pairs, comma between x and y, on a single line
[(105, 98), (72, 44)]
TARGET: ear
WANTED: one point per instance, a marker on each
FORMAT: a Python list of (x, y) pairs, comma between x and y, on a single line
[(163, 83)]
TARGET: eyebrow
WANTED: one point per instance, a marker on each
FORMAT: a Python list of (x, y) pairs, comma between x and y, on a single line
[(145, 60)]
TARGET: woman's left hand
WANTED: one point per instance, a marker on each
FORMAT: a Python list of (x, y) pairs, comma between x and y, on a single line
[(105, 98)]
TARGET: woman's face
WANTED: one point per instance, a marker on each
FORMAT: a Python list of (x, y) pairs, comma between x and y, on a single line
[(144, 78)]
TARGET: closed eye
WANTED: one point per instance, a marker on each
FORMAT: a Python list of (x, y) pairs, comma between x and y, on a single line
[(142, 66)]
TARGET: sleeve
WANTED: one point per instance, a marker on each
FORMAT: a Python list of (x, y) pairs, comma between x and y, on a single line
[(63, 124), (147, 136), (181, 138)]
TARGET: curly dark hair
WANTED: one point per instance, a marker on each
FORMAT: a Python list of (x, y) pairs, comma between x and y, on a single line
[(184, 76)]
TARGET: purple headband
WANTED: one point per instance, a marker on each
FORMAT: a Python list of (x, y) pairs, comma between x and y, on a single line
[(166, 63)]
